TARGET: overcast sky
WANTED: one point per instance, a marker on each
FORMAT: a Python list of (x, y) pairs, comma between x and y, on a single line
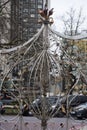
[(61, 6)]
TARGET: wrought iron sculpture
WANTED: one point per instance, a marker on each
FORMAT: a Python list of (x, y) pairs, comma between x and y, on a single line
[(40, 69)]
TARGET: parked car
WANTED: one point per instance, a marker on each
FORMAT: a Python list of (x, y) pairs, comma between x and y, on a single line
[(38, 104), (60, 109), (26, 110), (2, 110), (6, 98), (80, 111), (74, 100)]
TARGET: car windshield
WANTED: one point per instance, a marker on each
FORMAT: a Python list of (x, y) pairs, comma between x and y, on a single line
[(51, 100)]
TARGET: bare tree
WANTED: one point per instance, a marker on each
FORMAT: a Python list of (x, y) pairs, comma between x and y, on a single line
[(73, 21)]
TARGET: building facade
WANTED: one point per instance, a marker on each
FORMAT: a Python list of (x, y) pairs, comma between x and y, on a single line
[(24, 19), (4, 21)]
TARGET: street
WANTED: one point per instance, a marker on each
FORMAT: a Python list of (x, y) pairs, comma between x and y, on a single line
[(32, 123)]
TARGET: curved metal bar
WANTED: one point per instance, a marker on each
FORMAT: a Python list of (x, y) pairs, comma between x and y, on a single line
[(21, 46), (77, 37)]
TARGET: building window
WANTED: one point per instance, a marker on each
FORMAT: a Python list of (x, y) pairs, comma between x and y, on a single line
[(25, 10), (32, 15), (33, 1), (25, 1), (40, 1), (25, 20), (32, 10), (32, 5), (40, 6), (31, 29)]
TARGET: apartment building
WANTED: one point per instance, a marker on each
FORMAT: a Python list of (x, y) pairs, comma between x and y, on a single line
[(24, 18)]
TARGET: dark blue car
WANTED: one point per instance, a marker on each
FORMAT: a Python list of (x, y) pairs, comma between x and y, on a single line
[(2, 110), (80, 112)]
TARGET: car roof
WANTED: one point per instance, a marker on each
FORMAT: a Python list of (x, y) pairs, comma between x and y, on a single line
[(73, 99)]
